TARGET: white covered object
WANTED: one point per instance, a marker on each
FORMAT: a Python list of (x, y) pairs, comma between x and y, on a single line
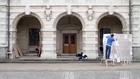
[(121, 48)]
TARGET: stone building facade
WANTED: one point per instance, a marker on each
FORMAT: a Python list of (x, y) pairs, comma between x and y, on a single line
[(66, 26)]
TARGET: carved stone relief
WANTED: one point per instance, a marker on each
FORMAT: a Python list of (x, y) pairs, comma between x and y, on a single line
[(89, 13), (48, 13)]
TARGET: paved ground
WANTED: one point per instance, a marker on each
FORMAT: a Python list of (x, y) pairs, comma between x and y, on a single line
[(70, 75), (65, 66), (68, 71)]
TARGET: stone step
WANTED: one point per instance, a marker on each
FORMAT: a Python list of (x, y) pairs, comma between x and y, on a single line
[(59, 59), (48, 61)]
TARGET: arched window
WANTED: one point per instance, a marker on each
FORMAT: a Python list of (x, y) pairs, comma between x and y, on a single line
[(33, 36)]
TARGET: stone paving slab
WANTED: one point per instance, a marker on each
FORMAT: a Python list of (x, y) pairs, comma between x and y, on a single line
[(65, 66), (68, 71), (70, 75)]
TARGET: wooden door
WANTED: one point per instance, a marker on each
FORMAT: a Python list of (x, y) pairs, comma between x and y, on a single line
[(69, 43)]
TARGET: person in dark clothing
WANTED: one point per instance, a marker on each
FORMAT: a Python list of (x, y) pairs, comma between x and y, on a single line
[(101, 49), (81, 56), (38, 51)]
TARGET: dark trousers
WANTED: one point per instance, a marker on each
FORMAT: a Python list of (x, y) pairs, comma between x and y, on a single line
[(108, 48)]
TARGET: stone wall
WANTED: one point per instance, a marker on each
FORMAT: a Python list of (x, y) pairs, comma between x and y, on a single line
[(3, 23), (136, 29), (3, 29), (3, 53), (136, 53)]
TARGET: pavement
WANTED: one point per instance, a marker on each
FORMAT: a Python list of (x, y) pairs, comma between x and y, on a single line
[(67, 66), (34, 63), (69, 70)]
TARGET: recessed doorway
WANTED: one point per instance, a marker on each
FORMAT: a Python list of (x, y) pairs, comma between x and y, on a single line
[(69, 43)]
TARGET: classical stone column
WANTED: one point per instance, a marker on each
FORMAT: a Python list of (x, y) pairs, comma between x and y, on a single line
[(90, 43), (48, 44)]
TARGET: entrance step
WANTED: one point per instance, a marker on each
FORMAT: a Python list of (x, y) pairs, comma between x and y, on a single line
[(70, 57), (59, 59)]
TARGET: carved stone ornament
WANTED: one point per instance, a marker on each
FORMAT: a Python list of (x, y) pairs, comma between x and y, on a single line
[(111, 9), (48, 13), (27, 10), (69, 9), (89, 14)]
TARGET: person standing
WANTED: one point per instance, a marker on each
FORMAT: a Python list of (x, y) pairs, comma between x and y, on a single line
[(110, 40)]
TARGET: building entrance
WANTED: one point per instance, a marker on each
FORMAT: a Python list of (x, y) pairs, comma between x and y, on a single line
[(69, 43)]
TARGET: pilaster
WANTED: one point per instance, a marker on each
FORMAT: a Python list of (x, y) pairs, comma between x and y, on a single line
[(48, 44), (3, 25), (135, 30), (3, 31), (90, 42)]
